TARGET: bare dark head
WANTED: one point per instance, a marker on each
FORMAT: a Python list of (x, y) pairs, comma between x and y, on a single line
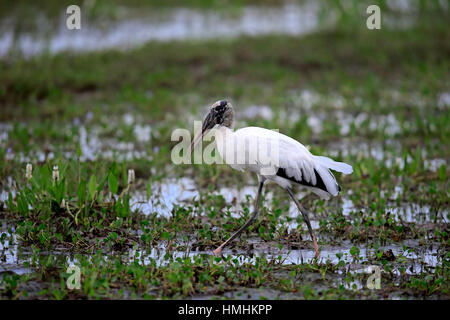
[(221, 113)]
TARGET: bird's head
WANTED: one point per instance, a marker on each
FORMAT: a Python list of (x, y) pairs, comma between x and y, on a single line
[(220, 113)]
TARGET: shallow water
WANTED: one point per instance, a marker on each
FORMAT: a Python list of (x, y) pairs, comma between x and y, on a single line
[(411, 258), (417, 257), (168, 193), (133, 27), (164, 25), (165, 196)]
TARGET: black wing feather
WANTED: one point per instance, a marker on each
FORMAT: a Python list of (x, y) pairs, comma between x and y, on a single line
[(281, 172)]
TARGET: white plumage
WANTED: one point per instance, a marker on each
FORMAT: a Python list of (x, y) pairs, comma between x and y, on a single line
[(298, 164)]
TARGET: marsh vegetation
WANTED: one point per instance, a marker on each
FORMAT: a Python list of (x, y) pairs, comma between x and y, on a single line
[(378, 100)]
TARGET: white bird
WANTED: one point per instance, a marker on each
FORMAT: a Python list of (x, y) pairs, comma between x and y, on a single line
[(272, 156)]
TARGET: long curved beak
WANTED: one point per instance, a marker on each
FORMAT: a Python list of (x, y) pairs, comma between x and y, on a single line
[(208, 123), (198, 136)]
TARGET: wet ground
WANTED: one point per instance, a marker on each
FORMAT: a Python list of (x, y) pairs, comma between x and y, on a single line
[(341, 90)]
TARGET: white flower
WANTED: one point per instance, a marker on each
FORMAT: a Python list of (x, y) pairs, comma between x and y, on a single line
[(128, 119), (63, 203), (55, 173), (29, 170), (142, 133), (131, 176)]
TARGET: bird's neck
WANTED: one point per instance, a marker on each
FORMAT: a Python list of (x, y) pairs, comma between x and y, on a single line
[(222, 136), (222, 129)]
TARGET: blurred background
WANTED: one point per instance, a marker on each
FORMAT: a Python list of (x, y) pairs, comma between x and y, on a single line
[(136, 70)]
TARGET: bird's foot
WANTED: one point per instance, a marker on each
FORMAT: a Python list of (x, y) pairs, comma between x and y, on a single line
[(217, 251)]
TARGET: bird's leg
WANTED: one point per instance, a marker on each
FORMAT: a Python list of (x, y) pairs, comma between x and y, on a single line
[(306, 218), (255, 213)]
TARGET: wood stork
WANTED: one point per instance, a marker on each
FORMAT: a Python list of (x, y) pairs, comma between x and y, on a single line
[(289, 162)]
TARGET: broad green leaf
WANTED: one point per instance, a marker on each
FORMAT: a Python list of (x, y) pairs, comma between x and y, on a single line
[(79, 152), (81, 192), (92, 186), (442, 172), (113, 184)]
